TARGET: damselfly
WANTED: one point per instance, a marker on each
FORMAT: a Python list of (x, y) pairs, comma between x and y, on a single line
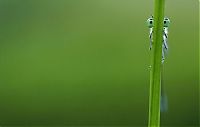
[(150, 24)]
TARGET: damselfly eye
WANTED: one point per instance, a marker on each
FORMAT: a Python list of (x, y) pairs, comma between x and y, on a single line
[(166, 22), (150, 22)]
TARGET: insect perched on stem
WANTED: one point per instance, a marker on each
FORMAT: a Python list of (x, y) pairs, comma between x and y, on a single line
[(150, 24)]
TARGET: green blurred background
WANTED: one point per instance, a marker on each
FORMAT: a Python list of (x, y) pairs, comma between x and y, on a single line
[(85, 62)]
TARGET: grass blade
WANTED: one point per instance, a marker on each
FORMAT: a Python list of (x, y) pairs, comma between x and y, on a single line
[(155, 73)]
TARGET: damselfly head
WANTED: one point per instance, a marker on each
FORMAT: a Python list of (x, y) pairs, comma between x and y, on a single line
[(166, 22), (150, 22)]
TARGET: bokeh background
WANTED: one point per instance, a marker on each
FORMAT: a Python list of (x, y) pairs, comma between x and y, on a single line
[(85, 62)]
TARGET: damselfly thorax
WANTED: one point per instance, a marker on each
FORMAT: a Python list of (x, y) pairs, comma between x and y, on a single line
[(166, 22)]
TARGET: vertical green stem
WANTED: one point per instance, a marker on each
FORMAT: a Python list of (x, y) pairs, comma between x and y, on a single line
[(155, 73), (199, 52)]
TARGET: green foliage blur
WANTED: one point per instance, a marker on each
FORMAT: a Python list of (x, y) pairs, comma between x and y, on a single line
[(86, 62)]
